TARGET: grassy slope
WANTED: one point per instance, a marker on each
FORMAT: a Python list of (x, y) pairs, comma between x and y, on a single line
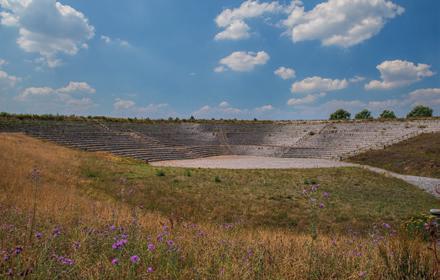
[(259, 197), (83, 193), (417, 156)]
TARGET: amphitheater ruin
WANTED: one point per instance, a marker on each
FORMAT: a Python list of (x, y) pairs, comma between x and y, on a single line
[(178, 141)]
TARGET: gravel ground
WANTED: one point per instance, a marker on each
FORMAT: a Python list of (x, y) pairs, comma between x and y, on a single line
[(251, 162), (430, 185)]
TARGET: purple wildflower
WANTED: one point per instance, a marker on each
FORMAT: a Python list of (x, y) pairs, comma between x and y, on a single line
[(325, 194), (38, 235), (119, 244), (66, 261), (76, 245), (18, 250), (56, 232), (150, 269), (151, 247), (362, 274), (115, 261), (134, 259), (321, 205), (112, 228), (170, 243), (305, 192), (10, 272), (315, 188), (387, 226)]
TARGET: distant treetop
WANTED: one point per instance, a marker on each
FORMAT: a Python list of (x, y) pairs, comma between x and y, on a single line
[(340, 114)]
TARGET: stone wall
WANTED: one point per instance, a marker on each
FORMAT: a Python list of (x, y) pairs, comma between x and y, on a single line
[(154, 142)]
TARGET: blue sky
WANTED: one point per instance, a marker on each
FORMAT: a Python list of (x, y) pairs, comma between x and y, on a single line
[(218, 59)]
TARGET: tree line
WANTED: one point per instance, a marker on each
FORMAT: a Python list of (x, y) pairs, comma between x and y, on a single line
[(419, 111)]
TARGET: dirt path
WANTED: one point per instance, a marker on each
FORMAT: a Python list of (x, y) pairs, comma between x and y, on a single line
[(250, 162)]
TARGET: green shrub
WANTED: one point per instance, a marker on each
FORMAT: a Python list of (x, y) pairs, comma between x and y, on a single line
[(387, 114), (160, 173), (420, 111), (363, 115), (340, 114), (415, 226), (217, 179), (188, 173)]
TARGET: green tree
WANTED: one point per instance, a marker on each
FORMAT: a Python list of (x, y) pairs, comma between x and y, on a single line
[(420, 111), (363, 115), (387, 114), (340, 114)]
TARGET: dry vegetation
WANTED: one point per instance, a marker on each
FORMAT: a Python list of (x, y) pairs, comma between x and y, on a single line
[(67, 221), (416, 156)]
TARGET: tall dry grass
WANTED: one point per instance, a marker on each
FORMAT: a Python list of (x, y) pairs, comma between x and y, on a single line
[(75, 230)]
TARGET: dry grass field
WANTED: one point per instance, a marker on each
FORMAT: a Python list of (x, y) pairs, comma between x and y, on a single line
[(73, 215), (418, 156)]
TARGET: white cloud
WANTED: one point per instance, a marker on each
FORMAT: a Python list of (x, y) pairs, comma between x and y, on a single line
[(242, 61), (63, 95), (233, 19), (226, 110), (108, 40), (222, 110), (121, 104), (130, 108), (399, 73), (220, 69), (427, 96), (264, 108), (318, 84), (8, 80), (36, 91), (285, 73), (357, 79), (340, 22), (8, 19), (3, 62), (310, 98), (77, 87), (223, 104), (235, 31), (48, 28)]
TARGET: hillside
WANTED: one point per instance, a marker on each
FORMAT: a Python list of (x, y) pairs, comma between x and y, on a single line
[(76, 215), (416, 156)]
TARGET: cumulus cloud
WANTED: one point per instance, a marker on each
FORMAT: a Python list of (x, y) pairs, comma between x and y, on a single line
[(318, 84), (340, 22), (121, 104), (264, 108), (77, 87), (285, 73), (310, 98), (242, 61), (47, 27), (399, 73), (232, 20), (427, 96), (235, 31), (64, 95)]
